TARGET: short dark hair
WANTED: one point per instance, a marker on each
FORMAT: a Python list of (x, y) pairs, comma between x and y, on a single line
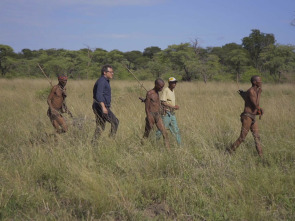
[(159, 80), (253, 78), (105, 68)]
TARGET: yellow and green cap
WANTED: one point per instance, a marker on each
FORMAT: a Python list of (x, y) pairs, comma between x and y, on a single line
[(172, 79)]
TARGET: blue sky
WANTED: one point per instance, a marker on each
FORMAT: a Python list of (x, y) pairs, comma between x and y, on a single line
[(129, 25)]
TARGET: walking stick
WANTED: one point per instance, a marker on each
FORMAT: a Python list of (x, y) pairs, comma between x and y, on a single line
[(141, 84), (50, 81)]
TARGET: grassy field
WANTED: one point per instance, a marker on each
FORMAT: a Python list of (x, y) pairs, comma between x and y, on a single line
[(43, 177)]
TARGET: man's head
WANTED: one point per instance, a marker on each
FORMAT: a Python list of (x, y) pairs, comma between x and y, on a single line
[(62, 79), (172, 82), (256, 81), (107, 71), (159, 84)]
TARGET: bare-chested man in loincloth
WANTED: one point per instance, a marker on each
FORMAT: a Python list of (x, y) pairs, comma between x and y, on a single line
[(153, 111), (57, 105), (251, 97)]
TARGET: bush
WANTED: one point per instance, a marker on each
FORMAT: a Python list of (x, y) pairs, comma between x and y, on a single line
[(43, 94)]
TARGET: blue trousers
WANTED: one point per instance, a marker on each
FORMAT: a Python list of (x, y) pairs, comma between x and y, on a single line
[(170, 123)]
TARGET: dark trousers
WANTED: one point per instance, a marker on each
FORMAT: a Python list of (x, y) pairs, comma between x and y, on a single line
[(101, 120)]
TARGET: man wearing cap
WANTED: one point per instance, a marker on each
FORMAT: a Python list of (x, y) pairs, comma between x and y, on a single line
[(102, 103), (169, 106), (57, 105)]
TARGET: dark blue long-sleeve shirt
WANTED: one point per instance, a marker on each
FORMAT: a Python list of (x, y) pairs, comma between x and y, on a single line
[(102, 91)]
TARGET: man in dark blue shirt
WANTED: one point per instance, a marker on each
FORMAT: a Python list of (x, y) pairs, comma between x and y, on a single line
[(102, 103)]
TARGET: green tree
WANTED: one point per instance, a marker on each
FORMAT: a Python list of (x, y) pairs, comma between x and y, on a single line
[(206, 63), (100, 56), (238, 59), (183, 59), (151, 51), (115, 56), (278, 59), (157, 66), (135, 59), (87, 54), (27, 53), (6, 60), (208, 66), (224, 51), (256, 42), (75, 64)]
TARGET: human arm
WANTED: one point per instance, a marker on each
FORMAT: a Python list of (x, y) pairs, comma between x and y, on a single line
[(104, 109), (176, 107), (164, 100), (66, 110), (149, 106), (254, 97), (98, 95), (50, 98), (259, 90), (260, 110)]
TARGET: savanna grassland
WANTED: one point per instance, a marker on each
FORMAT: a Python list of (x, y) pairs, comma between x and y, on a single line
[(47, 177)]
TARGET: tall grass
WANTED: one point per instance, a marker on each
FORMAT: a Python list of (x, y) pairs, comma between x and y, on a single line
[(47, 177)]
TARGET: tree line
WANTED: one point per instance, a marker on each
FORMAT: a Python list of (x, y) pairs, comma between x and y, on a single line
[(257, 55)]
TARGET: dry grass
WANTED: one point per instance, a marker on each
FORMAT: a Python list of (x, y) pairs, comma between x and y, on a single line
[(43, 177)]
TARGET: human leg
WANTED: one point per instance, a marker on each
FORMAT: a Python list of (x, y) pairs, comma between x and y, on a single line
[(58, 122), (173, 127), (100, 123), (166, 122), (113, 120), (54, 122), (246, 124), (161, 127), (148, 127), (255, 133), (61, 123)]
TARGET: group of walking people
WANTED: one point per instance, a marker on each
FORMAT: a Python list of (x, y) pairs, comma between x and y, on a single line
[(160, 110)]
